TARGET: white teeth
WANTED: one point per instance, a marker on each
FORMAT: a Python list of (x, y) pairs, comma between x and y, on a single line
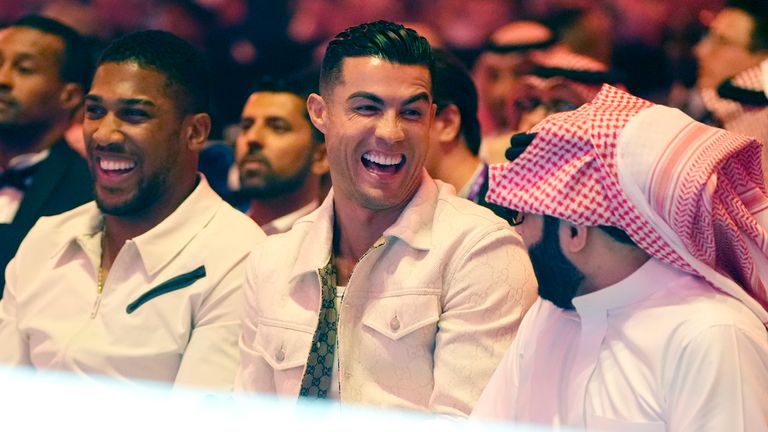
[(116, 165), (382, 159)]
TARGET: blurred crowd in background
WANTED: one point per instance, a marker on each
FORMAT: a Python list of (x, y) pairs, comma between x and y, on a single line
[(650, 41)]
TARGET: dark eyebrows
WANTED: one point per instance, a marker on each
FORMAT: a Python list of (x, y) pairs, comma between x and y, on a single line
[(130, 101), (366, 95), (137, 101), (423, 96), (274, 118), (26, 56)]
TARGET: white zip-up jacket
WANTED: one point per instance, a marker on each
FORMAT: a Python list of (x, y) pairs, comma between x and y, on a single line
[(426, 315)]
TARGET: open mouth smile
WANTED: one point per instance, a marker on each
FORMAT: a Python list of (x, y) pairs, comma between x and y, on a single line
[(383, 163)]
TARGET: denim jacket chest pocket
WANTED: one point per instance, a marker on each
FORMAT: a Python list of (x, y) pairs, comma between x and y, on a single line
[(401, 314), (285, 347)]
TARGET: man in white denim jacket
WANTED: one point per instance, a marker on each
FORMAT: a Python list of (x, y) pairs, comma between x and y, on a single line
[(439, 284)]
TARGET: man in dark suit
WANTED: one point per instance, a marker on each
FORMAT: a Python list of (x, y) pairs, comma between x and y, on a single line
[(44, 69)]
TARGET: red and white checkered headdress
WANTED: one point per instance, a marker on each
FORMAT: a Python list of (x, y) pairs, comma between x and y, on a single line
[(561, 58), (737, 115), (689, 194)]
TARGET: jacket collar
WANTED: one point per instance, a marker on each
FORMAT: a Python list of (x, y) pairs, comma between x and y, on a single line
[(413, 226), (159, 245)]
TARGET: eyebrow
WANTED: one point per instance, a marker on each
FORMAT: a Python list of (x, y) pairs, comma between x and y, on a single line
[(373, 98), (128, 101), (366, 95), (423, 96), (26, 56)]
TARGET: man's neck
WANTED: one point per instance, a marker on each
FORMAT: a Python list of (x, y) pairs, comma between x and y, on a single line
[(457, 167), (26, 140), (120, 229), (615, 266), (356, 229), (264, 211)]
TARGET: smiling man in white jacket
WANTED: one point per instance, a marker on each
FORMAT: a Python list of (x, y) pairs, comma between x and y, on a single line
[(395, 292)]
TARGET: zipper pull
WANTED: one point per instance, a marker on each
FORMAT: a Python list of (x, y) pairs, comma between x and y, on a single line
[(95, 308)]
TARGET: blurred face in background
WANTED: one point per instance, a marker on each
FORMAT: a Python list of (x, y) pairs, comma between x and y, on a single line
[(275, 149), (725, 49), (497, 76), (537, 98), (31, 88)]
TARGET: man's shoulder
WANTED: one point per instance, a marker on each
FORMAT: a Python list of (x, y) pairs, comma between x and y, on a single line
[(288, 242), (52, 232), (231, 226), (463, 216), (70, 222), (688, 305)]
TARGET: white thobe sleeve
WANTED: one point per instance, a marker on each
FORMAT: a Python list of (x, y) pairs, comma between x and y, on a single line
[(720, 382), (14, 346), (499, 396)]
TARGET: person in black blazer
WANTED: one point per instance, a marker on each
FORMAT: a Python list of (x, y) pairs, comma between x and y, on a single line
[(44, 70)]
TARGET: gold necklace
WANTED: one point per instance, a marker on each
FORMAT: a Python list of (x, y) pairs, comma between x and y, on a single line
[(100, 276)]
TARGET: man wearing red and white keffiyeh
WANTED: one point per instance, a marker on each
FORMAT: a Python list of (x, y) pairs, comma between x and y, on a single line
[(648, 234), (729, 58)]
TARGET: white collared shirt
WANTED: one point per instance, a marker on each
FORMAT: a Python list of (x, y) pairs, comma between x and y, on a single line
[(52, 317), (285, 222), (660, 350), (426, 316), (10, 198)]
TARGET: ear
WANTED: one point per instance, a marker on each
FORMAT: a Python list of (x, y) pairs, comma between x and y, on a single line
[(573, 238), (196, 128), (320, 160), (318, 112), (71, 96), (448, 124)]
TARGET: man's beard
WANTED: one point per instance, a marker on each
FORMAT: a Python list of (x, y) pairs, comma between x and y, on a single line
[(558, 278), (147, 194), (275, 185)]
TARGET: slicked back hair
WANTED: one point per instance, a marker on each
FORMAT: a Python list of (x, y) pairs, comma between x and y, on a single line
[(758, 10), (452, 84), (184, 68), (301, 85), (76, 62), (381, 39)]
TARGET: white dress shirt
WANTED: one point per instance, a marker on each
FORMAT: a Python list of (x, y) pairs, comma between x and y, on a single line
[(660, 350), (10, 197), (52, 316), (426, 315), (285, 222)]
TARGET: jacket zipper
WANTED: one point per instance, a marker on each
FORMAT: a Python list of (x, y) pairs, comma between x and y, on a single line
[(380, 242)]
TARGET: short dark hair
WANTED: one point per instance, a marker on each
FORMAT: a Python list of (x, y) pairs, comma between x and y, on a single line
[(382, 39), (182, 65), (76, 62), (301, 84), (452, 84), (758, 10)]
